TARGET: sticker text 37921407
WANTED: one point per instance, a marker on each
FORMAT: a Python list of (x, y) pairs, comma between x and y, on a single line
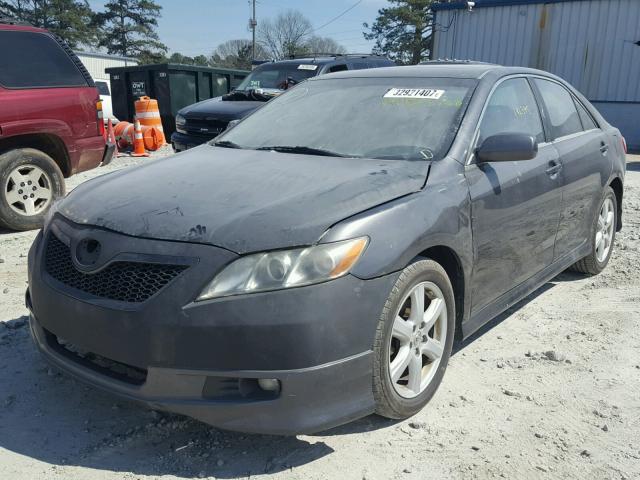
[(424, 93)]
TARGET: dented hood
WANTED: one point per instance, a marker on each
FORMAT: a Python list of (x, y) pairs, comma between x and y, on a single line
[(241, 200)]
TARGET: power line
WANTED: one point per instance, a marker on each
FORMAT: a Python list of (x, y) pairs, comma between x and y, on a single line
[(344, 31), (336, 18)]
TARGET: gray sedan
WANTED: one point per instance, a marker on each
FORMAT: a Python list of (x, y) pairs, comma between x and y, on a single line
[(315, 263)]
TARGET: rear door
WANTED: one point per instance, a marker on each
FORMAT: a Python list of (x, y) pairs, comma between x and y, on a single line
[(584, 151), (515, 205)]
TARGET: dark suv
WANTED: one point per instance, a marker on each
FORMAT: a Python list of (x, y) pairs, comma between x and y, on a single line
[(50, 123), (203, 121)]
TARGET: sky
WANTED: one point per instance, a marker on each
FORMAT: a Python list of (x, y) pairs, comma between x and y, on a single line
[(194, 27)]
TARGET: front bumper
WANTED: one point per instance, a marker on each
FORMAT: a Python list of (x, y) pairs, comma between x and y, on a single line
[(109, 152), (183, 141), (196, 357)]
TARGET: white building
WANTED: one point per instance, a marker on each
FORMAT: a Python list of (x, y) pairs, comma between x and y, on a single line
[(593, 44), (97, 62)]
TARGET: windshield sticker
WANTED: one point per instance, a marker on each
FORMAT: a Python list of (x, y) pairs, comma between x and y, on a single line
[(254, 84), (423, 93), (307, 67)]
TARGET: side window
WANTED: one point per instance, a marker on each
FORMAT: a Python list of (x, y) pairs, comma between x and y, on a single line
[(512, 108), (585, 117), (359, 65), (560, 107), (338, 68), (31, 59)]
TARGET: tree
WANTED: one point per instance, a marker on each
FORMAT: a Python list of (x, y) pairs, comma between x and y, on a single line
[(69, 19), (317, 44), (128, 29), (285, 35), (236, 54), (200, 60), (403, 30)]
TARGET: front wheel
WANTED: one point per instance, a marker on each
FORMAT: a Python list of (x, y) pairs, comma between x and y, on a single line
[(413, 340), (30, 182), (603, 234)]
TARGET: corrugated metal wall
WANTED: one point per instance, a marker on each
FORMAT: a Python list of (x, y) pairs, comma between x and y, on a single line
[(590, 43), (97, 63)]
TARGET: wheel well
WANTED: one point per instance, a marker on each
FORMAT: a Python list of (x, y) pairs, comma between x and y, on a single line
[(52, 145), (616, 186), (449, 260)]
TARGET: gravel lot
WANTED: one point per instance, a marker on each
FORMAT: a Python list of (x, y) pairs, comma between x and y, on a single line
[(550, 389)]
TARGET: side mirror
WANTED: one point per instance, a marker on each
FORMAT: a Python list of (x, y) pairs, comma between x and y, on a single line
[(507, 147)]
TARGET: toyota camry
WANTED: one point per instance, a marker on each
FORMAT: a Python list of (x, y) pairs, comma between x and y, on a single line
[(315, 263)]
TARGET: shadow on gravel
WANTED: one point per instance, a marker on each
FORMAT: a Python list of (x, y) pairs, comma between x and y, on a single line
[(459, 346)]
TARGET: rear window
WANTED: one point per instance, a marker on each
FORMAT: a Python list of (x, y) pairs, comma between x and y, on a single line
[(31, 59)]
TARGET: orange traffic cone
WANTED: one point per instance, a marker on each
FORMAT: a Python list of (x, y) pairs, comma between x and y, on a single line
[(111, 137), (138, 142)]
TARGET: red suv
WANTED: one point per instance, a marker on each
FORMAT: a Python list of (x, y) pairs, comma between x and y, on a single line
[(50, 123)]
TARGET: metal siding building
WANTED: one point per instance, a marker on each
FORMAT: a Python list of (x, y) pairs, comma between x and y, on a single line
[(96, 63), (593, 44)]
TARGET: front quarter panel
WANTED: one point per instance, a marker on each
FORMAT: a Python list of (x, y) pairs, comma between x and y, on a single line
[(400, 230)]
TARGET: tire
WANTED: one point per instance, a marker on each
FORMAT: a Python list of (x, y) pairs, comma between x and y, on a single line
[(597, 260), (30, 181), (403, 396)]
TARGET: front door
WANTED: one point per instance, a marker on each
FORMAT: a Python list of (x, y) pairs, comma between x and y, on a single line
[(515, 205)]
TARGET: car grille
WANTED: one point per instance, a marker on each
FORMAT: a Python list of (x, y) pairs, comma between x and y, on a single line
[(132, 282), (206, 128)]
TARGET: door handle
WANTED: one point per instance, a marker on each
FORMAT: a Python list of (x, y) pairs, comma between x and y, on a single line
[(554, 168), (604, 148)]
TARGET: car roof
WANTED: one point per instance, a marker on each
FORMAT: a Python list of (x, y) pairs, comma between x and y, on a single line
[(444, 69), (324, 59), (13, 24)]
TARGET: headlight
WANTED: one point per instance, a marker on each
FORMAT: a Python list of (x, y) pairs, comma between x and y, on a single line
[(285, 269), (180, 122)]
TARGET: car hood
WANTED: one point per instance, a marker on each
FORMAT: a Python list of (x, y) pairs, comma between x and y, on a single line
[(218, 109), (241, 200)]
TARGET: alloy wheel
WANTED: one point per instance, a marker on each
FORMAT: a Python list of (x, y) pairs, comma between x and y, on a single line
[(604, 230), (417, 339), (28, 190)]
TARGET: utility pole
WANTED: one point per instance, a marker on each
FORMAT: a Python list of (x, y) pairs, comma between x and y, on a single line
[(252, 24)]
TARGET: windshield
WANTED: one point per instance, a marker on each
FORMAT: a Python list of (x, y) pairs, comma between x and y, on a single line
[(389, 118), (274, 75)]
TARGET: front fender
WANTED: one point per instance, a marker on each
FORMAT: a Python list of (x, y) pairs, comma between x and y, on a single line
[(400, 230)]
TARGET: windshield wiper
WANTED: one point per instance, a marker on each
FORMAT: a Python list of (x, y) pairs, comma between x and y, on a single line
[(226, 144), (247, 95), (303, 150)]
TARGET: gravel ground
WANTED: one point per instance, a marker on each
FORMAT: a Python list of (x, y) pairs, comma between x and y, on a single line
[(550, 389)]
